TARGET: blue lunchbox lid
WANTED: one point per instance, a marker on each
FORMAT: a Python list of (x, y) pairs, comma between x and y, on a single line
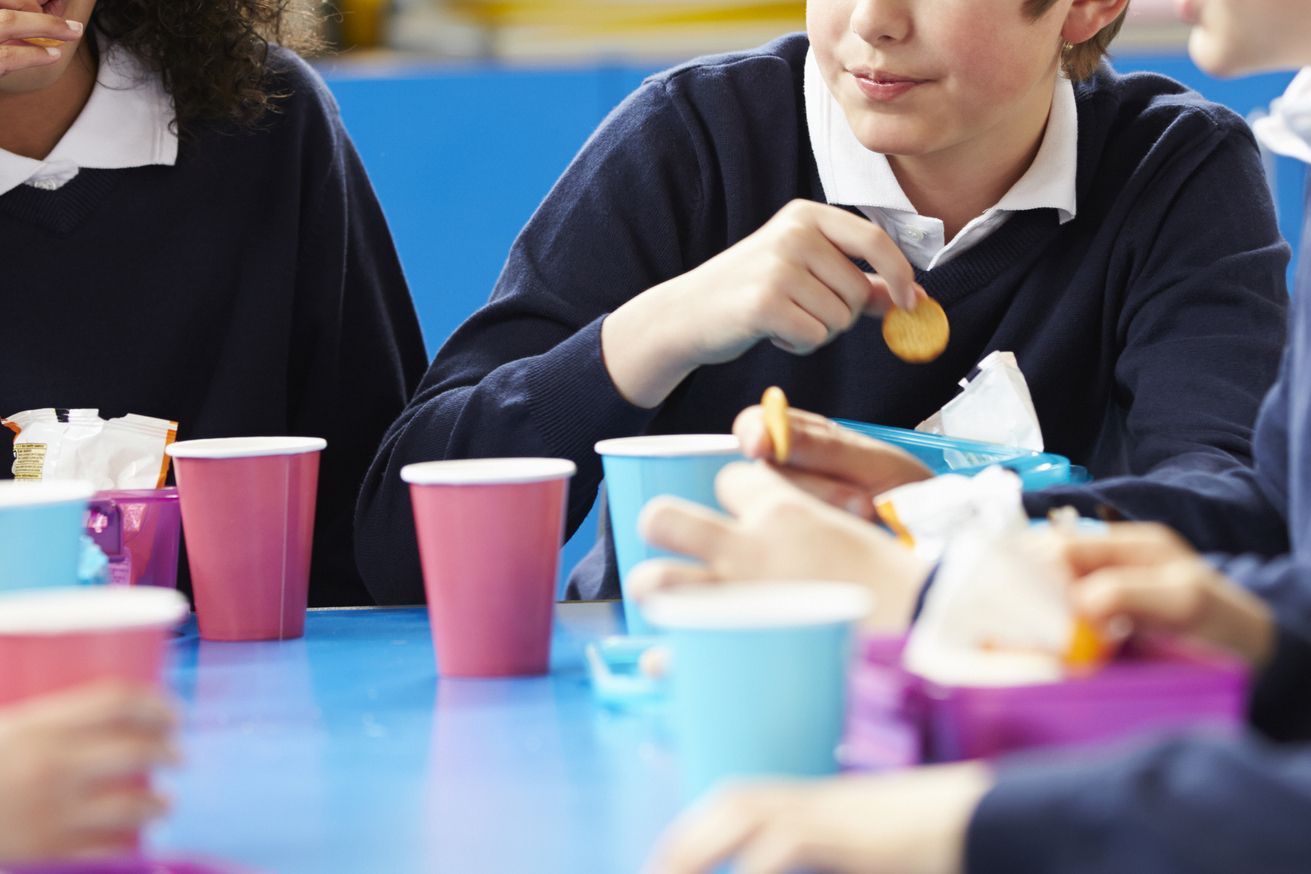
[(1037, 470)]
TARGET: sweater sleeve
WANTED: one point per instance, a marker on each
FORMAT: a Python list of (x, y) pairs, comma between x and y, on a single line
[(524, 376), (1202, 332), (358, 351), (1194, 804)]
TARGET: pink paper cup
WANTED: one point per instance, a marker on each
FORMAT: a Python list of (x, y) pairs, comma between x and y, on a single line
[(55, 639), (248, 518), (489, 541)]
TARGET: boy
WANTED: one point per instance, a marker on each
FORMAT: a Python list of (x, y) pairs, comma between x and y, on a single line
[(1087, 226), (1182, 805)]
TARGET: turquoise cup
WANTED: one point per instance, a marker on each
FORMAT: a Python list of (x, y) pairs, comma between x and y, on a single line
[(638, 469), (41, 526), (758, 678)]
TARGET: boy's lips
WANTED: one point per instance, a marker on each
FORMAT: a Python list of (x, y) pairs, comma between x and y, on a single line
[(882, 86)]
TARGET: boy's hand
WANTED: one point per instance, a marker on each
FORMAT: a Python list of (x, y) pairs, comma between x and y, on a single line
[(23, 19), (1149, 575), (792, 282), (835, 464), (775, 531), (910, 823), (73, 770)]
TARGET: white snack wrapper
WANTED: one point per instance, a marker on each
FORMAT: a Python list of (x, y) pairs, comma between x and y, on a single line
[(926, 515), (994, 407), (122, 453), (998, 613)]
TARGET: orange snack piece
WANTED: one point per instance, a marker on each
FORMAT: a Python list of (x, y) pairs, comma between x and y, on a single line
[(917, 336), (1088, 648), (44, 42), (775, 405)]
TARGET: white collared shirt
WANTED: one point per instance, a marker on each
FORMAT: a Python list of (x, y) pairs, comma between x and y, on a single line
[(852, 175), (1287, 129), (125, 123)]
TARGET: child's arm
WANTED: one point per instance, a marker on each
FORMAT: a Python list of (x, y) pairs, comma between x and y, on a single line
[(773, 530), (70, 769), (1202, 322), (528, 374)]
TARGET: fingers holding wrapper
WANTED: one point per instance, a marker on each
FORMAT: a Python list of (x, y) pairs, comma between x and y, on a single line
[(775, 405), (917, 336)]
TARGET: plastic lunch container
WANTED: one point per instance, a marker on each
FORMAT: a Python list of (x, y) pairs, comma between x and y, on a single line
[(898, 719), (968, 457), (138, 530)]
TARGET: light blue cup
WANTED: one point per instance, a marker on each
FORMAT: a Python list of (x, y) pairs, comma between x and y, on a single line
[(41, 525), (638, 469), (758, 678)]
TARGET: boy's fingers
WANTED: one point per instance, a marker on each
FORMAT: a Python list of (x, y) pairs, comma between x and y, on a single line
[(837, 273), (683, 527), (858, 237), (827, 449), (749, 427), (837, 493), (707, 835), (663, 573), (1134, 544), (118, 758), (1153, 597)]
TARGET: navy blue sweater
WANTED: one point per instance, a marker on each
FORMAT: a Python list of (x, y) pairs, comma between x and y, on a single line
[(1198, 805), (252, 288), (1149, 327)]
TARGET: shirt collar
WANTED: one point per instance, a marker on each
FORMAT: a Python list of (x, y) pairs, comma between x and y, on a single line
[(1287, 129), (852, 175), (127, 122)]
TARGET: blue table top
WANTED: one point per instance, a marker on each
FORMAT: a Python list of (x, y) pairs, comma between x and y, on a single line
[(344, 752)]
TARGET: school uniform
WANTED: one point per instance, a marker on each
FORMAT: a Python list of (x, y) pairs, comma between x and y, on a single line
[(1201, 804), (1145, 303), (241, 282)]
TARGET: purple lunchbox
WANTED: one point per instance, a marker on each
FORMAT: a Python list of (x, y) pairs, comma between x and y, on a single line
[(138, 530), (898, 719)]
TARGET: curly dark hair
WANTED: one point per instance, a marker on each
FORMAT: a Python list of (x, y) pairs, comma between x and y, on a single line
[(213, 55)]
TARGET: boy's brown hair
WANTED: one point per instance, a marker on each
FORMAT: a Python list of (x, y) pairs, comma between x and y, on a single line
[(1080, 61)]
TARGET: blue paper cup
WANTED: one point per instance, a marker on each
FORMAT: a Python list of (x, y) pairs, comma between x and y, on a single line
[(638, 469), (758, 681), (41, 526)]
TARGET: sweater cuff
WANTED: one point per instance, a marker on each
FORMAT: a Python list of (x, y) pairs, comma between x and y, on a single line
[(573, 399), (1280, 703), (1032, 822)]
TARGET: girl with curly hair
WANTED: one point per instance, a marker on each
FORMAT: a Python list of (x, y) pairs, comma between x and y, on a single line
[(189, 233)]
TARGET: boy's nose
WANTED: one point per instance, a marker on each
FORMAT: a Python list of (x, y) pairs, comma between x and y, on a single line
[(882, 21)]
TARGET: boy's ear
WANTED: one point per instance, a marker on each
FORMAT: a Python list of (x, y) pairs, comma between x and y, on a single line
[(1086, 19)]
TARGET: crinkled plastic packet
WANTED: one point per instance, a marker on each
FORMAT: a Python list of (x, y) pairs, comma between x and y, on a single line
[(122, 453), (993, 407), (926, 515)]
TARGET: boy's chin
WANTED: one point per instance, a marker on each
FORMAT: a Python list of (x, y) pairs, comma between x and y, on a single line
[(1231, 57)]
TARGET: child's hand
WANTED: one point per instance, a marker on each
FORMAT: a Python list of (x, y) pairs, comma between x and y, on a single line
[(835, 464), (23, 19), (1147, 574), (775, 531), (909, 823), (792, 282), (73, 768)]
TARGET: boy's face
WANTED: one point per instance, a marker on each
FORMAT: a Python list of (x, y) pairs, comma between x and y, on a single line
[(921, 77), (1244, 36), (40, 78)]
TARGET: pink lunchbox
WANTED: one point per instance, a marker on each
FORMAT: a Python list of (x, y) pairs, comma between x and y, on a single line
[(898, 719), (138, 530)]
